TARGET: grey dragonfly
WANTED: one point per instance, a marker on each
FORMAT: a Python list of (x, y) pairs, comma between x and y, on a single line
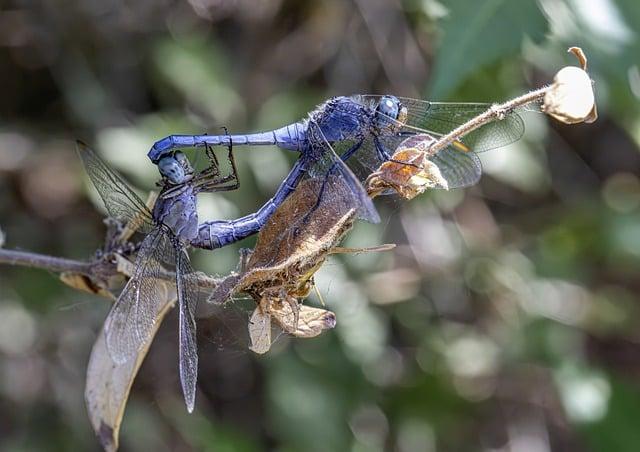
[(364, 131), (169, 230)]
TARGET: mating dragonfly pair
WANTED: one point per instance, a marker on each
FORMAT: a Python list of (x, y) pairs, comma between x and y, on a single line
[(345, 137)]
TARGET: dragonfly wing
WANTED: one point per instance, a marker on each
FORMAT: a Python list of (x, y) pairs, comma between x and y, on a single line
[(440, 118), (133, 316), (459, 169), (119, 199), (324, 161), (187, 301)]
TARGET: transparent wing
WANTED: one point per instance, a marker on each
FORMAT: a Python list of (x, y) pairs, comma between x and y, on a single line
[(323, 162), (460, 169), (439, 118), (133, 316), (187, 301), (119, 199)]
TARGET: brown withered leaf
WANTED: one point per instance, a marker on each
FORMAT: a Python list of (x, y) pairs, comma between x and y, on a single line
[(84, 283), (260, 331), (294, 242), (313, 321), (292, 245), (108, 384), (409, 172), (295, 319)]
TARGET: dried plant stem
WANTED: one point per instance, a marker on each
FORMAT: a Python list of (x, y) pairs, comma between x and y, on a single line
[(495, 113), (44, 262), (99, 270)]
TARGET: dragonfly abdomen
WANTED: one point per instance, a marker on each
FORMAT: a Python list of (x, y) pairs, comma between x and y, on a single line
[(216, 234)]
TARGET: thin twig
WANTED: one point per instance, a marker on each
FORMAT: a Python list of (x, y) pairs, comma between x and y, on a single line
[(42, 261), (99, 270), (495, 113)]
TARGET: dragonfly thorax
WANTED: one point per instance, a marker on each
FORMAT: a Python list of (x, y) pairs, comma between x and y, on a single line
[(179, 213), (342, 118)]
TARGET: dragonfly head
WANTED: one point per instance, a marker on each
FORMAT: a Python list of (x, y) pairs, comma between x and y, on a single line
[(184, 162), (390, 113), (171, 169), (176, 168)]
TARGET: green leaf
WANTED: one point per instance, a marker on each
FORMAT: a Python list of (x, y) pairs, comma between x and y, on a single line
[(479, 33)]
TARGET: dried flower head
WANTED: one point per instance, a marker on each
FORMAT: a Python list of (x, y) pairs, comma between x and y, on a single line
[(570, 98), (409, 172)]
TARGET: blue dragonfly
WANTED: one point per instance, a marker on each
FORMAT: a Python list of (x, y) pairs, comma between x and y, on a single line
[(169, 229), (364, 131)]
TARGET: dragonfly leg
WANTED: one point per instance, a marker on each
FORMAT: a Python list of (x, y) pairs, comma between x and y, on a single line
[(211, 180), (352, 150), (383, 154), (215, 165), (232, 162), (216, 234)]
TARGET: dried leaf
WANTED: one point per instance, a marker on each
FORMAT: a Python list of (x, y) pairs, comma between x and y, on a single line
[(260, 331), (86, 284), (313, 321), (409, 172), (288, 258), (298, 320), (570, 98), (108, 384), (285, 311), (292, 245), (2, 238)]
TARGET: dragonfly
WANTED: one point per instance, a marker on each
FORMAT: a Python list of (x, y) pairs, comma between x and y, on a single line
[(169, 229), (363, 131)]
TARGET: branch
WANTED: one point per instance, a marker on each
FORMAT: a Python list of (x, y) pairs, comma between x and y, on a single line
[(100, 270), (44, 262), (495, 112)]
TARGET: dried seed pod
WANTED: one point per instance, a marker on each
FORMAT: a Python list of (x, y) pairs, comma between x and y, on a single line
[(571, 99), (409, 172)]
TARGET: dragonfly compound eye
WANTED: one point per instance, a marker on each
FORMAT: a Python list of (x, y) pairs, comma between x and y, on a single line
[(171, 168), (389, 106), (182, 159), (388, 111)]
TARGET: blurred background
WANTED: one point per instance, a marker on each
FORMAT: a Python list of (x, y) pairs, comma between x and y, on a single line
[(508, 317)]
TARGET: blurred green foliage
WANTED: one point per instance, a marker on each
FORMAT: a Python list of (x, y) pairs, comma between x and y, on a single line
[(506, 319)]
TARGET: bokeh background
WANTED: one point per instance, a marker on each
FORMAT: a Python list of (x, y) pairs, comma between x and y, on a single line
[(508, 317)]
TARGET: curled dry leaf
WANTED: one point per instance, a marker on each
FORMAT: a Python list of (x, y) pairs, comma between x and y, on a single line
[(260, 331), (108, 384), (2, 238), (103, 285), (313, 321), (409, 172), (297, 320), (570, 98), (285, 258), (85, 284), (290, 248)]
